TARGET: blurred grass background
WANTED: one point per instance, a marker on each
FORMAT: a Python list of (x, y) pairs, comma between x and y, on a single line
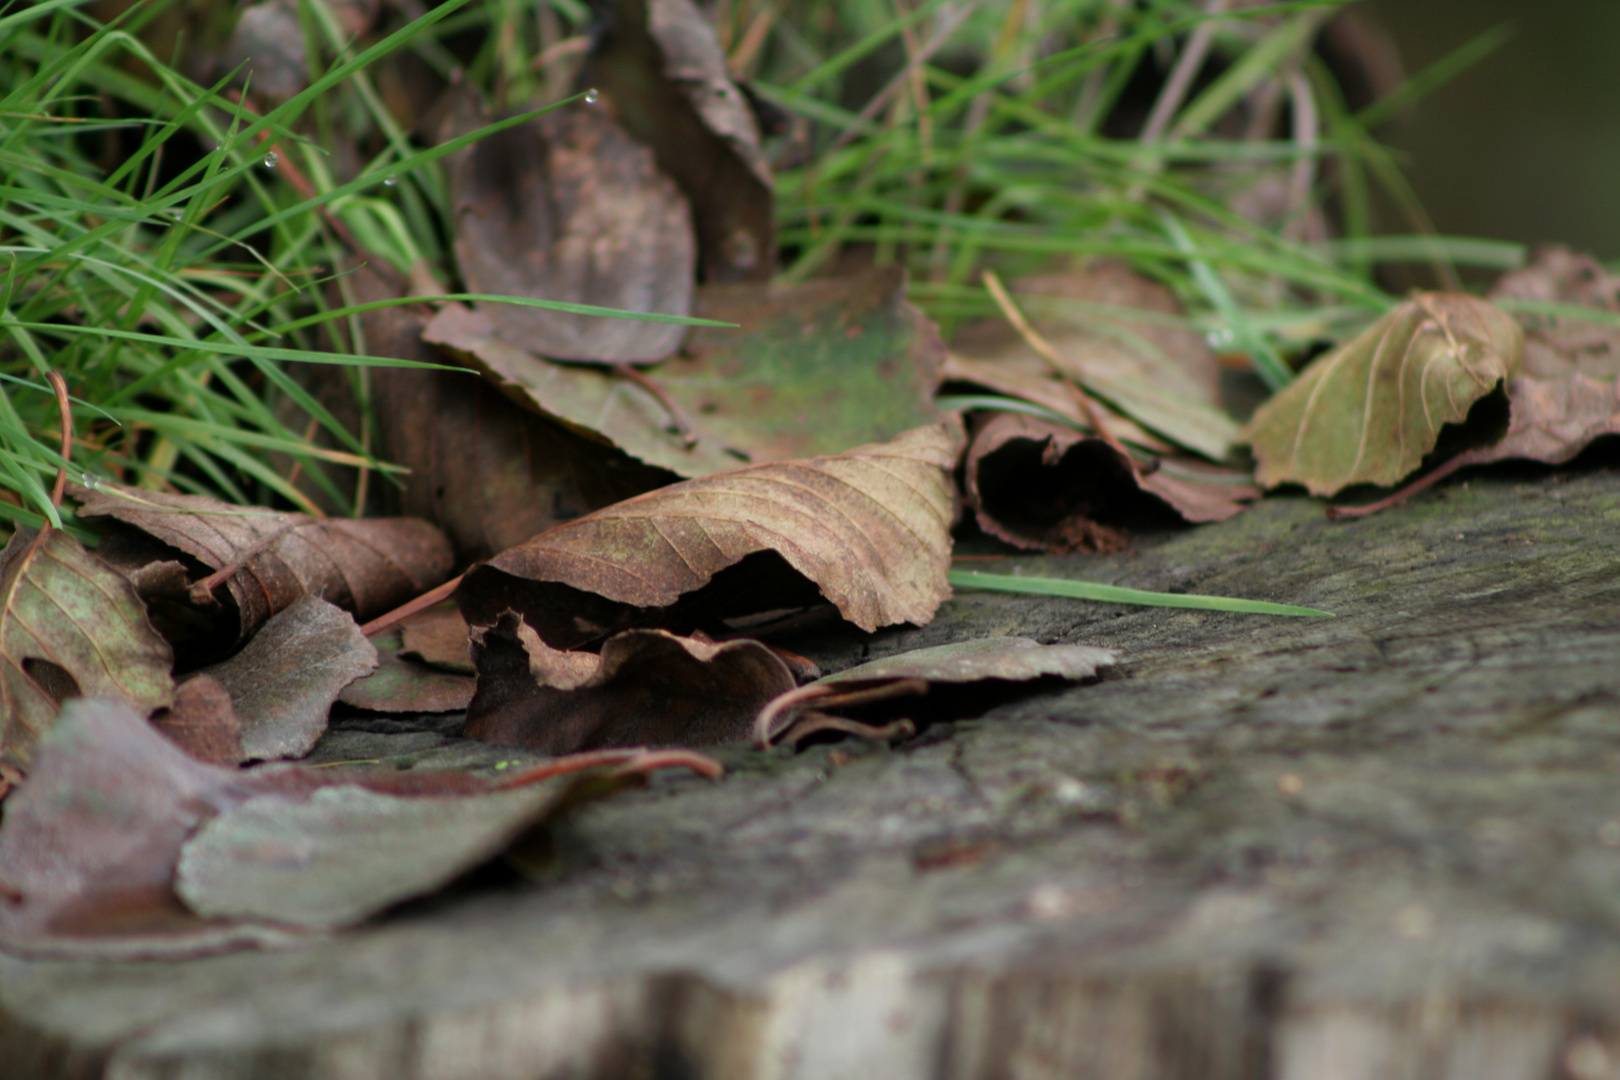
[(1526, 144)]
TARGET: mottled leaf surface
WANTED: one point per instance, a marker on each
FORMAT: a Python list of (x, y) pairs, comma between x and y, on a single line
[(568, 207), (870, 529), (203, 722), (814, 369), (1370, 410), (647, 687), (70, 625), (365, 566)]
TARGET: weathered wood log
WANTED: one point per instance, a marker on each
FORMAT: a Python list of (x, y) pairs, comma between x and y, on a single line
[(1376, 847)]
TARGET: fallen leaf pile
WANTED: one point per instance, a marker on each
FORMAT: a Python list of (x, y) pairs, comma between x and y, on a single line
[(634, 504)]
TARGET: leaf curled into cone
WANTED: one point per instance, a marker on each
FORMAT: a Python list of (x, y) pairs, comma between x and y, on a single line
[(70, 625), (568, 207), (1036, 484), (1011, 659), (646, 687), (1370, 410), (273, 558), (869, 528)]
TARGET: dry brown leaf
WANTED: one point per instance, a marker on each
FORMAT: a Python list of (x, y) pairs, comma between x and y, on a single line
[(1370, 411), (569, 207), (663, 74), (1037, 484), (1557, 347), (646, 687), (870, 529), (591, 402), (70, 626), (1162, 375), (366, 567), (485, 470)]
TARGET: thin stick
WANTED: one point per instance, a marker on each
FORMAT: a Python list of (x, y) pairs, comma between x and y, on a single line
[(406, 610), (59, 385), (1044, 349), (1335, 513)]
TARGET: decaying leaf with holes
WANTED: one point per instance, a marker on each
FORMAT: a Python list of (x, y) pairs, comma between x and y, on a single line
[(268, 559), (1370, 411), (867, 529), (70, 626)]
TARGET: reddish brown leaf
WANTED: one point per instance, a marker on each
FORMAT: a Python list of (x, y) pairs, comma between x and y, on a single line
[(663, 74), (70, 626), (1036, 484), (1557, 347), (367, 567), (870, 529), (569, 207), (203, 722), (646, 687), (284, 681)]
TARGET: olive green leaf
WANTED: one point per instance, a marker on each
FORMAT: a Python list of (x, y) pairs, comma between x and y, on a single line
[(1369, 411)]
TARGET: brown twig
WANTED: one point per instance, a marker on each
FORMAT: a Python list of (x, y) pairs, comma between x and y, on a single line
[(828, 696), (648, 760), (810, 723), (1043, 348), (1336, 513), (202, 593), (677, 415), (632, 759), (406, 610), (59, 385)]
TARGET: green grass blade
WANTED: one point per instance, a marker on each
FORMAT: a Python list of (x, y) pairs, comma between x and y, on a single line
[(1116, 594)]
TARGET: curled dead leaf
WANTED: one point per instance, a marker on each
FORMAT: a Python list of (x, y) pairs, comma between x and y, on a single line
[(270, 559), (1369, 411), (1036, 484), (870, 529), (646, 687)]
